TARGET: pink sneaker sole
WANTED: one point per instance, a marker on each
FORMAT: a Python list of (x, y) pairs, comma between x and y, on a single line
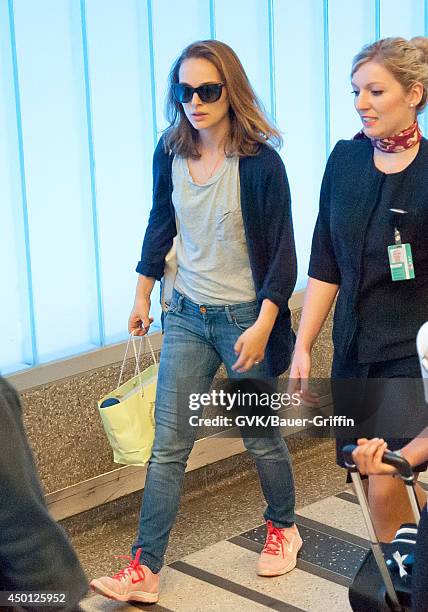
[(141, 596), (284, 570)]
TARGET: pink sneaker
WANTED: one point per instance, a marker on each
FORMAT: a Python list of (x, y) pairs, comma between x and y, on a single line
[(134, 583), (279, 554)]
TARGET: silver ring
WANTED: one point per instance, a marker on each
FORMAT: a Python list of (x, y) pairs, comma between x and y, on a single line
[(257, 362)]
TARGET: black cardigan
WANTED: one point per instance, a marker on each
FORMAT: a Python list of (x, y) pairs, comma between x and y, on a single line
[(349, 193), (266, 212)]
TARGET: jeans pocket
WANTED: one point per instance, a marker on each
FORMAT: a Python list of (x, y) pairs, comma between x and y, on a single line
[(172, 307), (245, 319)]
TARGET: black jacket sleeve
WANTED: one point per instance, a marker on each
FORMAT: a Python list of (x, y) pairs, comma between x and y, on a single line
[(161, 228), (281, 275), (323, 264)]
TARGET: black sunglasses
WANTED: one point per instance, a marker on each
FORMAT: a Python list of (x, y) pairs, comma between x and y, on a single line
[(210, 92)]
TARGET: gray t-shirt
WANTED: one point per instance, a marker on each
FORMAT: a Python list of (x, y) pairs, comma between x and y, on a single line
[(212, 255)]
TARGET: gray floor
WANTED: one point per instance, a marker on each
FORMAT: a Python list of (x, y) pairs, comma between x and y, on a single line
[(219, 509), (219, 534)]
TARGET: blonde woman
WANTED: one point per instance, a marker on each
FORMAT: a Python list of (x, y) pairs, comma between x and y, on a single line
[(221, 188), (374, 203)]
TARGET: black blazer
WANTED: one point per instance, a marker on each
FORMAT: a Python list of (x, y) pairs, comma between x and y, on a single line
[(349, 193)]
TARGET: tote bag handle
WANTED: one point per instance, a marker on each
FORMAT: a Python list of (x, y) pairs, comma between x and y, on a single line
[(131, 338)]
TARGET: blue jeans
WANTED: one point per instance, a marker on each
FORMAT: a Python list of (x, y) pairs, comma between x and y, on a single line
[(197, 340)]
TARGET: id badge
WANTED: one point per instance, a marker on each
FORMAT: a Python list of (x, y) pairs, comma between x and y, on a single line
[(401, 262)]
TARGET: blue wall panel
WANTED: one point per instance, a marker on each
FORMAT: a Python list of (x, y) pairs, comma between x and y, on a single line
[(401, 18), (175, 25), (300, 110), (344, 43), (122, 121), (244, 25), (49, 61), (16, 335), (83, 85)]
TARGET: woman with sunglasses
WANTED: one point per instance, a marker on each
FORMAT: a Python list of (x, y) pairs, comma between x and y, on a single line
[(370, 247), (221, 189)]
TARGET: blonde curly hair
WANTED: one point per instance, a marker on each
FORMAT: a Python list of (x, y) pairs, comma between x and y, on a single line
[(406, 60)]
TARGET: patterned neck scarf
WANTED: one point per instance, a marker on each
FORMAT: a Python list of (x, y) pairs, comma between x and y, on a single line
[(399, 142)]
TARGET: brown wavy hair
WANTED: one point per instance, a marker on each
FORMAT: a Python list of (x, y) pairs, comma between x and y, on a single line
[(249, 125), (407, 60)]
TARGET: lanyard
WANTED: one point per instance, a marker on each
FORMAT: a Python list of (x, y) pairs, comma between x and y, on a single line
[(397, 217), (399, 254)]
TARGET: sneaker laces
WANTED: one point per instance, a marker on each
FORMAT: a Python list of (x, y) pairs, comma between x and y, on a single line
[(274, 540), (134, 566)]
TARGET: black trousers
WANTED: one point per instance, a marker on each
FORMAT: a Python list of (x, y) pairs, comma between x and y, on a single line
[(384, 399), (35, 554)]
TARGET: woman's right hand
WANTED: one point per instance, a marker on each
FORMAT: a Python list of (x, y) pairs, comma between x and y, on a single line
[(139, 320), (300, 371)]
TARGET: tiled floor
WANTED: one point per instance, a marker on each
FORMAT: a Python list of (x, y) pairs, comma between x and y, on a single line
[(220, 576), (219, 508)]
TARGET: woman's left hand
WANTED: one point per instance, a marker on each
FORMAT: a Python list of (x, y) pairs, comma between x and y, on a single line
[(250, 347)]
